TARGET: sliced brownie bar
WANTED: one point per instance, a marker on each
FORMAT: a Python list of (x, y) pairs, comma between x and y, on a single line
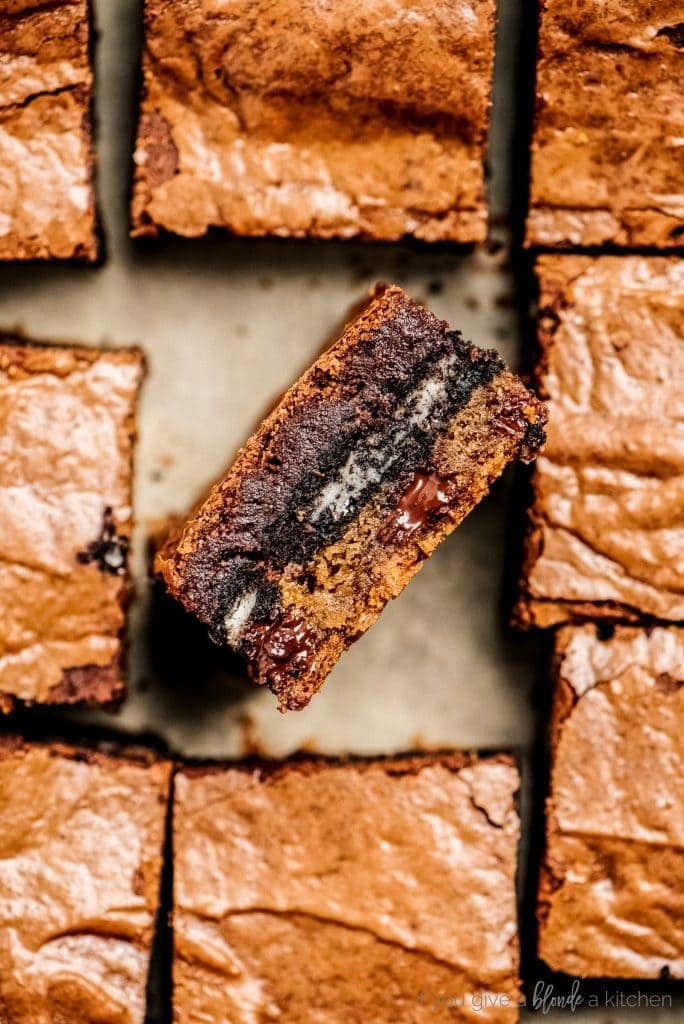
[(611, 899), (81, 849), (367, 463), (66, 475), (47, 202), (606, 154), (300, 118), (376, 891), (606, 532)]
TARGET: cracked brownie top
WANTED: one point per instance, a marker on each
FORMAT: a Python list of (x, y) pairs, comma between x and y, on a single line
[(606, 534), (317, 889), (364, 118), (611, 894), (47, 206), (80, 862), (66, 450), (607, 148)]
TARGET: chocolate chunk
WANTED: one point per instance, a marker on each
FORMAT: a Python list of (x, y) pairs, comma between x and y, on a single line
[(110, 550)]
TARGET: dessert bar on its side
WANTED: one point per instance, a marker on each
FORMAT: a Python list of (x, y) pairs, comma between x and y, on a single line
[(373, 457)]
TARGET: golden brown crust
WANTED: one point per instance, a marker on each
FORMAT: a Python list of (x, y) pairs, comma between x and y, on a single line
[(605, 537), (80, 865), (46, 190), (606, 159), (609, 903), (301, 119), (68, 417), (336, 907)]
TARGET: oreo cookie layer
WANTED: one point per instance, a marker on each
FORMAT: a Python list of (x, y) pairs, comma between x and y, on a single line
[(373, 456)]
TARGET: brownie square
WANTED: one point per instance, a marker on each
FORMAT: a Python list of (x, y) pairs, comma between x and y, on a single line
[(611, 901), (67, 419), (338, 891), (80, 862), (606, 536), (47, 204), (299, 118), (606, 152), (370, 460)]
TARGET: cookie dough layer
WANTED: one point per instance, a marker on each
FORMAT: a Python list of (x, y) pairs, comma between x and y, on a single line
[(373, 457), (80, 862), (606, 536), (47, 204), (607, 148), (364, 118), (67, 429), (611, 897), (314, 890)]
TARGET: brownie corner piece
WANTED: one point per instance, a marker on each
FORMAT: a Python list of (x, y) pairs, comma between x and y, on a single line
[(371, 459), (66, 477), (315, 120), (46, 147), (82, 845), (606, 155), (417, 913), (610, 902), (605, 537)]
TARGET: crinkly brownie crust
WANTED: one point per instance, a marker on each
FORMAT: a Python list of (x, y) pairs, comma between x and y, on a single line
[(46, 188), (610, 901), (606, 152), (606, 537), (66, 472), (328, 886), (296, 118)]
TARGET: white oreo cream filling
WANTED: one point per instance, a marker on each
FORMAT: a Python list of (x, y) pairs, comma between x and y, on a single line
[(368, 465), (238, 615)]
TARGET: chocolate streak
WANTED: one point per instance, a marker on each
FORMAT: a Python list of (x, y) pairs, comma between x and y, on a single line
[(418, 505)]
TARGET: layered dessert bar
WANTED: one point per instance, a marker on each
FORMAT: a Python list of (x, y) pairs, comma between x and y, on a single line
[(352, 890), (606, 152), (66, 449), (345, 119), (81, 852), (47, 204), (606, 537), (611, 901), (365, 465)]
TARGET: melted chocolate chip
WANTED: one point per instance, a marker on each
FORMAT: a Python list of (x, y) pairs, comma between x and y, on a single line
[(423, 498), (511, 420), (281, 649), (110, 550)]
